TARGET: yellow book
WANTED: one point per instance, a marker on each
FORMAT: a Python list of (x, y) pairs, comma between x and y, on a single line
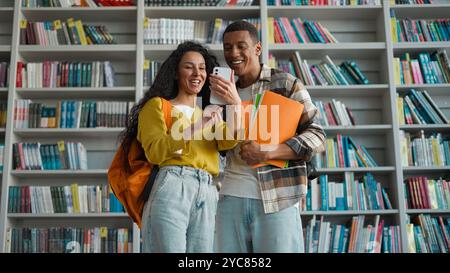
[(397, 77), (400, 111), (435, 150), (270, 31), (410, 238), (81, 33), (330, 153), (75, 199), (432, 194), (394, 30)]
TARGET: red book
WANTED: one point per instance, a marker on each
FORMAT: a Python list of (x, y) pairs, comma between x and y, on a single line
[(20, 66), (425, 192)]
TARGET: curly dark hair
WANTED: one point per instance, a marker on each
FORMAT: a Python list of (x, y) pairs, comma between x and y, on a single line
[(165, 86)]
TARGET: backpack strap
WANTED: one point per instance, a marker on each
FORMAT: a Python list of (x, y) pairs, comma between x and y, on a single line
[(167, 111)]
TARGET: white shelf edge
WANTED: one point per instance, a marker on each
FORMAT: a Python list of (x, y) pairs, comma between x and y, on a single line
[(422, 45), (425, 127), (416, 6), (428, 211), (360, 127), (370, 169), (439, 85), (333, 8), (330, 46), (425, 169), (81, 9), (67, 215), (83, 48), (78, 89), (350, 212), (348, 87), (201, 8), (58, 173)]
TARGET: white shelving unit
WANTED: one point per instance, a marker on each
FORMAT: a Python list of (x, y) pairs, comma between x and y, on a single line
[(364, 35)]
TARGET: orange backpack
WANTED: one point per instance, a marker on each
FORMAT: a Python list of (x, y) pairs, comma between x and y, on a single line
[(128, 185)]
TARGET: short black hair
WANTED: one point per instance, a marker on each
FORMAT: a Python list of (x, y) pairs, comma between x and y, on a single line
[(243, 25)]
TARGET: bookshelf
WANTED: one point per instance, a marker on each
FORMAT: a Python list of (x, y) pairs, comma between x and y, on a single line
[(363, 32)]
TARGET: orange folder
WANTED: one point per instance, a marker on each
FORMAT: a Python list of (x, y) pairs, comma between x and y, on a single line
[(273, 125)]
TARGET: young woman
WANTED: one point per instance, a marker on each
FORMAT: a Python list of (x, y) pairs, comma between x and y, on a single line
[(179, 215)]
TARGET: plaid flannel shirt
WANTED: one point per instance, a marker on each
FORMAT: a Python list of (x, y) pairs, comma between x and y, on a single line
[(280, 187)]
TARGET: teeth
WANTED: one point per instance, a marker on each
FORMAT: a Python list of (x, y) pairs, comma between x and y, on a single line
[(195, 81), (236, 62)]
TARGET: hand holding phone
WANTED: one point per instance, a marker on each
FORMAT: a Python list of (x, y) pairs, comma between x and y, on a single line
[(225, 73)]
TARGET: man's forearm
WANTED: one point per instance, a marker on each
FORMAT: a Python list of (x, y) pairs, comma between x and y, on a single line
[(281, 152)]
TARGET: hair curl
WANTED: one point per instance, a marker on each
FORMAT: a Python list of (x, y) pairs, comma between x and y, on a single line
[(165, 86)]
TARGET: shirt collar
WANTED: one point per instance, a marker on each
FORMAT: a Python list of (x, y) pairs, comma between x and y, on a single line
[(264, 75)]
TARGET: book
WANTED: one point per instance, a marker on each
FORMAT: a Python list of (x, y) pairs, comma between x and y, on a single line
[(274, 120)]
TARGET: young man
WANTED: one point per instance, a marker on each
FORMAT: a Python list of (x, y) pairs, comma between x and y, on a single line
[(258, 210)]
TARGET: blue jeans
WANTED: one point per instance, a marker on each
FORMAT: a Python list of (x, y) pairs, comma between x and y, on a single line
[(179, 215), (243, 227)]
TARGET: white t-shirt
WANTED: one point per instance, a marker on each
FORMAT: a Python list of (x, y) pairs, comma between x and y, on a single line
[(240, 179), (187, 111)]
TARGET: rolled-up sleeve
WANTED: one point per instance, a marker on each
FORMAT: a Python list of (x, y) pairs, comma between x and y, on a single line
[(310, 138)]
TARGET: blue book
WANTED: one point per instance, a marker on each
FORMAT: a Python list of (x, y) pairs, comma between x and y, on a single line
[(323, 179), (387, 202), (308, 200), (297, 32)]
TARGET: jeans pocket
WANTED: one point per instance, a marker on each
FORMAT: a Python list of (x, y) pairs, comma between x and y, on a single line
[(162, 180)]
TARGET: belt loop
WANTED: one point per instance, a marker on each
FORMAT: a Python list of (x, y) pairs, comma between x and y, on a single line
[(181, 170)]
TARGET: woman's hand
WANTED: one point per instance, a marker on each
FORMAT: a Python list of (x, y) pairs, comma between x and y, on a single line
[(212, 115), (225, 89)]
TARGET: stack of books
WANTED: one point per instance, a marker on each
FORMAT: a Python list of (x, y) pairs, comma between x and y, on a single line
[(71, 32), (62, 156)]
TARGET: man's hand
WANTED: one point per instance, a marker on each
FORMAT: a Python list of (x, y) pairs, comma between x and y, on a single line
[(252, 154), (225, 89)]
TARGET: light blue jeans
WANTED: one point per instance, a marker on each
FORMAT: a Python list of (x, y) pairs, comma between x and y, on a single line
[(243, 227), (179, 215)]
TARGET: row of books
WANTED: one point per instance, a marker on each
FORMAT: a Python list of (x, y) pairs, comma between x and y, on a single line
[(426, 234), (204, 3), (350, 194), (323, 237), (424, 193), (427, 68), (325, 73), (66, 155), (323, 2), (343, 152), (175, 31), (69, 240), (62, 199), (53, 74), (295, 30), (75, 3), (417, 107), (4, 74), (412, 2), (419, 30), (72, 32), (71, 114), (334, 113), (150, 70), (433, 151)]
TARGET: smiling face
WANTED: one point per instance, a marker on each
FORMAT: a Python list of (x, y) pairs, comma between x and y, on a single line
[(191, 73), (241, 52)]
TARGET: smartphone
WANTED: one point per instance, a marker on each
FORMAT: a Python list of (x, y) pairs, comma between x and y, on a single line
[(225, 73)]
